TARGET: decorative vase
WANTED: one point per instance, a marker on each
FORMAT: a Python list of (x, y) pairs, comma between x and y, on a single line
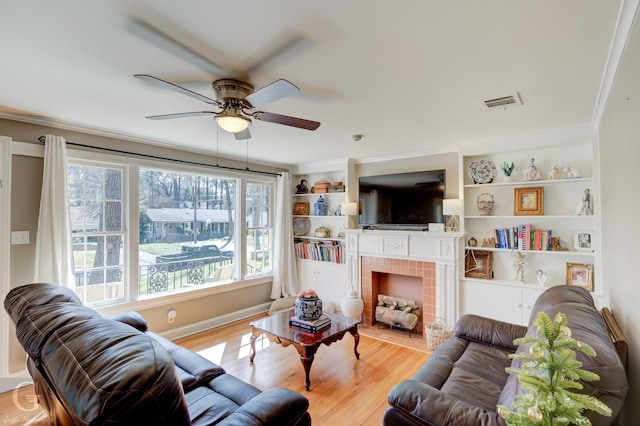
[(484, 202), (352, 306), (308, 308), (320, 207)]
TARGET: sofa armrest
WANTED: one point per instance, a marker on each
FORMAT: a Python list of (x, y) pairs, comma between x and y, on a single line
[(277, 406), (131, 318), (489, 331), (198, 368), (424, 404)]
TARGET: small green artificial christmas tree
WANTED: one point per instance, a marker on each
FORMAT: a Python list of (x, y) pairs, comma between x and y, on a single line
[(548, 373)]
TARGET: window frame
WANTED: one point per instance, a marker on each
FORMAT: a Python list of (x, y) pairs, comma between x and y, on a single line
[(125, 223), (132, 168), (271, 219)]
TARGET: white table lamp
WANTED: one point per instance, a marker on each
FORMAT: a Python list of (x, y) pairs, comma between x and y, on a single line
[(452, 209), (349, 209)]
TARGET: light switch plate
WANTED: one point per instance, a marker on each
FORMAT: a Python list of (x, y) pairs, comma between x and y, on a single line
[(19, 237)]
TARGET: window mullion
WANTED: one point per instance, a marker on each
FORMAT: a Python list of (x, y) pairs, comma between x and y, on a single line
[(132, 220)]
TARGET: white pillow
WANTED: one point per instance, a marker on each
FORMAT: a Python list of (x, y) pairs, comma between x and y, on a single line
[(328, 306), (282, 304)]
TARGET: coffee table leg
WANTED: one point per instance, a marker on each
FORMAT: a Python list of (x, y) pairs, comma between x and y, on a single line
[(307, 354), (306, 363), (356, 340), (252, 344)]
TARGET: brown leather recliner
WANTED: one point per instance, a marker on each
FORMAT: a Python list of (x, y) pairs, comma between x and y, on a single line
[(91, 370), (464, 379)]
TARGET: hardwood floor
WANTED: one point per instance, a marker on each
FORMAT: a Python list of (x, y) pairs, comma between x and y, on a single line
[(343, 390)]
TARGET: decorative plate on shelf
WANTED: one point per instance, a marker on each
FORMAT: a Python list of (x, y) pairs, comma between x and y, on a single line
[(482, 171), (301, 226)]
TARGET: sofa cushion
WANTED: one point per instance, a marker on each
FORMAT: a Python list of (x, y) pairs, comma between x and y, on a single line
[(20, 299), (131, 318), (559, 294), (38, 323), (105, 369), (587, 326), (276, 406), (489, 331), (193, 369), (207, 407), (467, 371), (478, 376)]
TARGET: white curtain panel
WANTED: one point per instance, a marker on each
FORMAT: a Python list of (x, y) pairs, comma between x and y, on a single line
[(285, 274), (54, 249)]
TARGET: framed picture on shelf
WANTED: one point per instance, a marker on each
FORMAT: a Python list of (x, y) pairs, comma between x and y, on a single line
[(478, 264), (580, 274), (301, 208), (583, 241), (528, 201)]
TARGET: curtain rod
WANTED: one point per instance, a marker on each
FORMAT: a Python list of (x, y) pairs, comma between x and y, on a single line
[(155, 157)]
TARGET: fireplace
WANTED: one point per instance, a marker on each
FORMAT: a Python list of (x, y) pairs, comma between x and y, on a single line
[(429, 259), (409, 279)]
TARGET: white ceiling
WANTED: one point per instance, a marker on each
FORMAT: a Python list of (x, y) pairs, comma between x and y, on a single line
[(410, 75)]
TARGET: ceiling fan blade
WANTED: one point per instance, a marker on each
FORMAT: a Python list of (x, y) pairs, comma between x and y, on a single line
[(286, 120), (159, 82), (281, 48), (166, 43), (245, 134), (271, 92), (181, 115)]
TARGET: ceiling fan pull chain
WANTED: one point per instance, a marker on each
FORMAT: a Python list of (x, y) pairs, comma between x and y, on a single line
[(217, 145), (247, 142)]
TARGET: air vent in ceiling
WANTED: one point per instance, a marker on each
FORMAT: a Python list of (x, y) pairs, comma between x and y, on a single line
[(504, 102)]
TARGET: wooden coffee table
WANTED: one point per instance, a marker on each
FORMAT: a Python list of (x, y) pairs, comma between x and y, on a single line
[(277, 329)]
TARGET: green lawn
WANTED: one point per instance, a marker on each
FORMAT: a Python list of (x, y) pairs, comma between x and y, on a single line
[(160, 249)]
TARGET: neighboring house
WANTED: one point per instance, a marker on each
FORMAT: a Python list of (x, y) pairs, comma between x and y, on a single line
[(175, 224)]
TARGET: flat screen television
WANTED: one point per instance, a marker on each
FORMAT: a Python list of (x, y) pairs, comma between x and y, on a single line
[(409, 200)]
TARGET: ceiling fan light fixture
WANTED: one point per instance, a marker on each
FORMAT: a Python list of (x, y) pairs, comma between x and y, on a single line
[(233, 123)]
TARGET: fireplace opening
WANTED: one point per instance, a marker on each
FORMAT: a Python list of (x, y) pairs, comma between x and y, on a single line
[(396, 285), (409, 279)]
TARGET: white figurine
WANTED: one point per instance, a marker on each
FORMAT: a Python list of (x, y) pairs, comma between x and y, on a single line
[(531, 172), (571, 172), (585, 206), (543, 278), (518, 264), (553, 173)]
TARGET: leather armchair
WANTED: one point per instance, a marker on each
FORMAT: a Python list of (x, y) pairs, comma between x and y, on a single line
[(91, 370)]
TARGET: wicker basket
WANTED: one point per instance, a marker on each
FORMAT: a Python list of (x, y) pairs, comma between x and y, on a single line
[(437, 333)]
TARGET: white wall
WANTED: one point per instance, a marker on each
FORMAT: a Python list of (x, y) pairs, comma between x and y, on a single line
[(619, 166)]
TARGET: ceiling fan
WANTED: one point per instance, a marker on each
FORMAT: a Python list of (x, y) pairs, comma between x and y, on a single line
[(237, 101), (235, 97)]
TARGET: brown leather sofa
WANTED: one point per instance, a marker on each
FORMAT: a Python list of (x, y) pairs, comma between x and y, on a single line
[(464, 379), (91, 370)]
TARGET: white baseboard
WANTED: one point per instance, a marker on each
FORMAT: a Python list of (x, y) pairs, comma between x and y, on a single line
[(15, 381), (187, 330)]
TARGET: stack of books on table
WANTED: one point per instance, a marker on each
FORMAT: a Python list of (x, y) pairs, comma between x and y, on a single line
[(314, 325)]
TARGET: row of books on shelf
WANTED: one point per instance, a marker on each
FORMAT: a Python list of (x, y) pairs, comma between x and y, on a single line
[(324, 251), (314, 325), (523, 237)]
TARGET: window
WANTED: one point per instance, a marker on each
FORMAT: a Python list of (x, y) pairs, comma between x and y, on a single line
[(259, 234), (96, 207), (187, 230)]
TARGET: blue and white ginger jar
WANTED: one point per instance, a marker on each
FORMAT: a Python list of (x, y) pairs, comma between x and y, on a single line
[(308, 308), (320, 207)]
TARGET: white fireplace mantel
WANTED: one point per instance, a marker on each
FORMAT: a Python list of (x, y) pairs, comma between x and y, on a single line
[(441, 248)]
